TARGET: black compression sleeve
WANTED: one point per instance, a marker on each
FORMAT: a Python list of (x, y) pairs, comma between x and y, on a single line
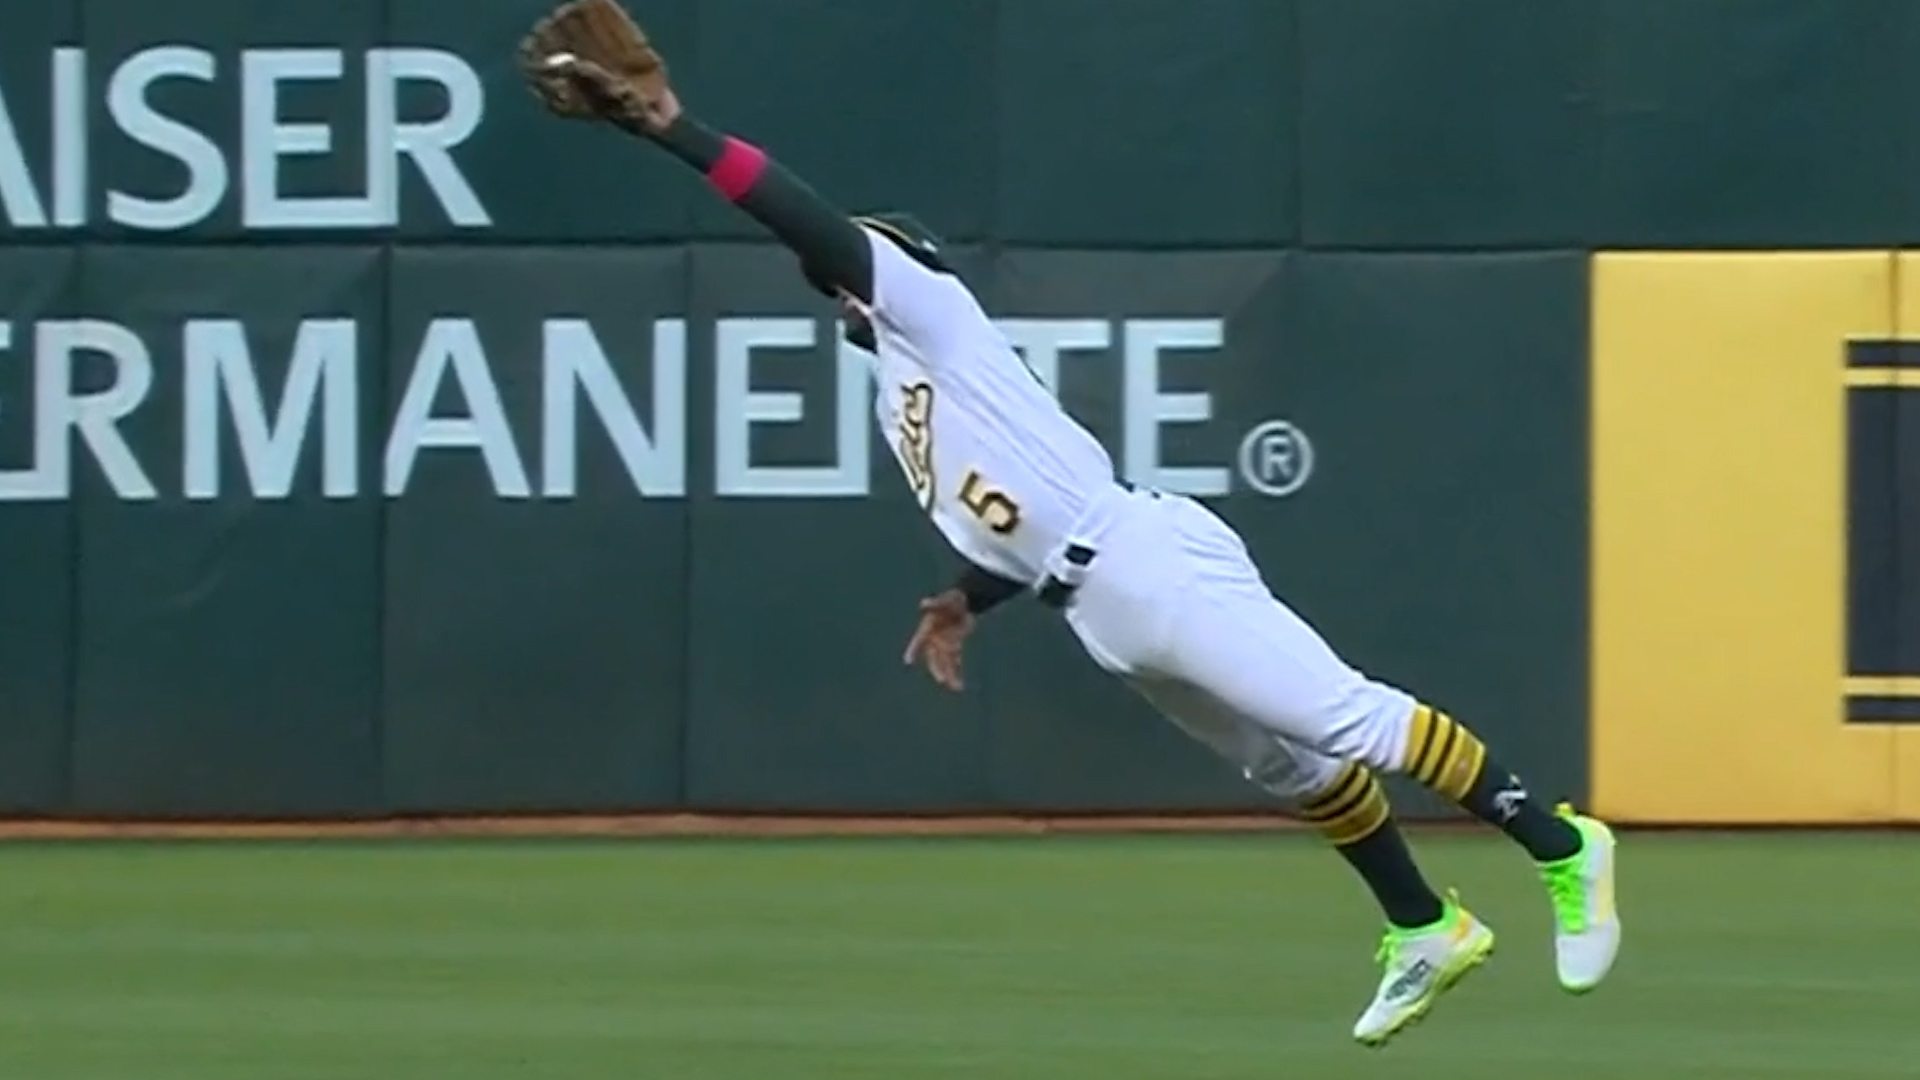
[(694, 143), (985, 590), (832, 248)]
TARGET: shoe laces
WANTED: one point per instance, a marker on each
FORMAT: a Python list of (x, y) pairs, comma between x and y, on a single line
[(1390, 944), (1397, 937), (1565, 888)]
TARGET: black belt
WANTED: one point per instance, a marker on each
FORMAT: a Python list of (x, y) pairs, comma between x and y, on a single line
[(1055, 593)]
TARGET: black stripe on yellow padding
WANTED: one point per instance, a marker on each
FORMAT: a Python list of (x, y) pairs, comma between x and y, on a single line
[(1350, 809), (1347, 791), (1419, 739), (1443, 754)]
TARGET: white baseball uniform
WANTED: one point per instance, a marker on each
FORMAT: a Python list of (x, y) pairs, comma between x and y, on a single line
[(1164, 593)]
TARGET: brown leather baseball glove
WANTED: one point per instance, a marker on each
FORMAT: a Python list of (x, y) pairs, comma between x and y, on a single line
[(588, 60)]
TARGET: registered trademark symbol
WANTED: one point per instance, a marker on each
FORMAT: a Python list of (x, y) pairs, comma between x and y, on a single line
[(1276, 459)]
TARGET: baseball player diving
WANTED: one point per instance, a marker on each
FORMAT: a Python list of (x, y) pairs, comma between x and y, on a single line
[(1160, 591)]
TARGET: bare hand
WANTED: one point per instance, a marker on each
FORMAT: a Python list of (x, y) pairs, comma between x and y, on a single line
[(941, 637)]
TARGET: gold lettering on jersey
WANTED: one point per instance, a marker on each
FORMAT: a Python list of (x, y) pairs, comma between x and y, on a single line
[(916, 439), (996, 509)]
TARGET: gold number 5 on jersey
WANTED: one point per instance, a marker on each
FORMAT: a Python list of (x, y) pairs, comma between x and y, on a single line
[(995, 508)]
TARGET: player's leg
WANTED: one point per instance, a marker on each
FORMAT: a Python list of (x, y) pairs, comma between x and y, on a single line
[(1221, 629), (1350, 809), (1430, 943), (1341, 800), (1574, 852)]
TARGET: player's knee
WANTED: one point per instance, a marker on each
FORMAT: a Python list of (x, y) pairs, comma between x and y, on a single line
[(1369, 725), (1289, 774)]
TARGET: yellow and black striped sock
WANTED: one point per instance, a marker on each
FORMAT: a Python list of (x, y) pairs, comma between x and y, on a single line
[(1350, 809), (1353, 814), (1445, 756)]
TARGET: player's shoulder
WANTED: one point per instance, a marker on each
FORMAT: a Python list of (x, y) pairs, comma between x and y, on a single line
[(907, 234), (916, 288), (909, 257)]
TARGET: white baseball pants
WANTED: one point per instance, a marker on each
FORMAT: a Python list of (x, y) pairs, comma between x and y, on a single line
[(1172, 603)]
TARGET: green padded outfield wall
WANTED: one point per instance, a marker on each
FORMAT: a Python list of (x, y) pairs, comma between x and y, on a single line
[(371, 442)]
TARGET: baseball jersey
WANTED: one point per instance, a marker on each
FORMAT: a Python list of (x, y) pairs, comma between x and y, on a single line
[(987, 450)]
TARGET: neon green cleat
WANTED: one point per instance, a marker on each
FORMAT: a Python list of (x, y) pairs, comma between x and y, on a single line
[(1586, 925), (1421, 965)]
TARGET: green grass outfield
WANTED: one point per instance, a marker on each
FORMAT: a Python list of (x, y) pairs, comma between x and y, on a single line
[(1748, 957)]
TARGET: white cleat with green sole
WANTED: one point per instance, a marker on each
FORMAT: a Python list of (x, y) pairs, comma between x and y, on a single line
[(1420, 965), (1586, 936)]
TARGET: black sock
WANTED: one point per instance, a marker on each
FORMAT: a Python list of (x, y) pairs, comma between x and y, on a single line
[(1498, 798), (1352, 813), (1445, 756), (1384, 863)]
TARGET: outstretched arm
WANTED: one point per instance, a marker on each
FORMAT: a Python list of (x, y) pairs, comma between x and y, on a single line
[(588, 60), (832, 248)]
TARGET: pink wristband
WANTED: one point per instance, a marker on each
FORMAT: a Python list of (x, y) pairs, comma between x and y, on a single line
[(738, 169)]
